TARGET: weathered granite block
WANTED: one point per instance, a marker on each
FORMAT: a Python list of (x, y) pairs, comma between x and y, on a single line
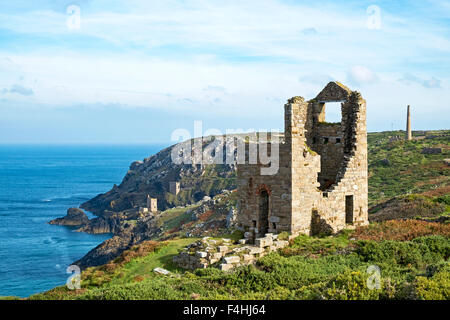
[(222, 248), (225, 267), (263, 242), (231, 259), (201, 254)]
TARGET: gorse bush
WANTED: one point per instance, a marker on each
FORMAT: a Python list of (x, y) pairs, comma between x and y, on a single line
[(417, 253), (351, 285), (436, 287)]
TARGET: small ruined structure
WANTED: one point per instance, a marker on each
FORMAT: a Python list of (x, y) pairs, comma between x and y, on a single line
[(408, 124), (174, 187), (152, 204), (224, 254), (321, 185)]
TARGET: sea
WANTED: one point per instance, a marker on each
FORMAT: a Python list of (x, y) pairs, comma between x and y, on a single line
[(39, 183)]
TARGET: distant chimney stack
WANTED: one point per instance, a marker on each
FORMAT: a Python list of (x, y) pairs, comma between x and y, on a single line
[(408, 124)]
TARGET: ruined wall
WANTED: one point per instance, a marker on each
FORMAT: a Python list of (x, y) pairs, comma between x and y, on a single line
[(328, 143), (250, 185), (352, 178), (305, 165), (321, 185), (342, 203)]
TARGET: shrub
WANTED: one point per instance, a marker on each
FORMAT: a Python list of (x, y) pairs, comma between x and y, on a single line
[(434, 288), (417, 253), (148, 290), (351, 285), (248, 278), (445, 199)]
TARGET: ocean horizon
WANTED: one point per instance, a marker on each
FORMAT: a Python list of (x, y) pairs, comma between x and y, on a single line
[(39, 183)]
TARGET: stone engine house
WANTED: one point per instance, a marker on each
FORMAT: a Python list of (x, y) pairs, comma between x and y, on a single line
[(321, 185)]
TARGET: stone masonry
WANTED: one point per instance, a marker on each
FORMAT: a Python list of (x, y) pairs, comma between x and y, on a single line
[(321, 185), (152, 204), (174, 187), (224, 254)]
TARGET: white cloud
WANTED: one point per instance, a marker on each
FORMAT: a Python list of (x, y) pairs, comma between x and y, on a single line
[(19, 89), (432, 83), (309, 31), (239, 56), (361, 75), (409, 78)]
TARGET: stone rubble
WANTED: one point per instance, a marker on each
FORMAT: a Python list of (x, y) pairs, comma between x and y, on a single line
[(161, 271), (205, 253)]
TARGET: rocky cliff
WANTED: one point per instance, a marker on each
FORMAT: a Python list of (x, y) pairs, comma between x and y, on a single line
[(205, 218), (74, 217), (153, 175)]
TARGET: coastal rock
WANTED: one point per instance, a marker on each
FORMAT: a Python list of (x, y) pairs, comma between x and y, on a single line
[(101, 225), (74, 217), (105, 252)]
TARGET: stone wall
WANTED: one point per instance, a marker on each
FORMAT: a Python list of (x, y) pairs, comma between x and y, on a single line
[(321, 185), (174, 187)]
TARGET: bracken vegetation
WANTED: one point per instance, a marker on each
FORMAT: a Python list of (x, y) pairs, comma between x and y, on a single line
[(401, 230)]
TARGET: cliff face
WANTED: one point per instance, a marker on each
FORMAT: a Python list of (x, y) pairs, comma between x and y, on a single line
[(153, 176)]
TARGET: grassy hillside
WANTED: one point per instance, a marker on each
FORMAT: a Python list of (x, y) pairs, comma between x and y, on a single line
[(397, 167), (412, 256)]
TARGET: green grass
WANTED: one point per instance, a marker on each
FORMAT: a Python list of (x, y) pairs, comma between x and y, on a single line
[(408, 170), (160, 258), (175, 217), (333, 267)]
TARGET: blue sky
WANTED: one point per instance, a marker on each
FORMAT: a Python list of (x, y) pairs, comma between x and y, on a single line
[(134, 71)]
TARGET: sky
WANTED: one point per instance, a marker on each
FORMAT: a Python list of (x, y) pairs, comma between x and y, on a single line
[(126, 72)]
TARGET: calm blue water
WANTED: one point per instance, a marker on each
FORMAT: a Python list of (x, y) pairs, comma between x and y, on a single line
[(39, 183)]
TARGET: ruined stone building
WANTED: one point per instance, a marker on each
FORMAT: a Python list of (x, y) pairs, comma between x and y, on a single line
[(174, 187), (321, 184), (152, 204)]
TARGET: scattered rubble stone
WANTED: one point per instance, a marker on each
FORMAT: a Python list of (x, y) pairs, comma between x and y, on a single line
[(161, 271), (202, 254)]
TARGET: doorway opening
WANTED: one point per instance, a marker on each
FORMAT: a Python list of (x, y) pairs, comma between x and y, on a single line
[(349, 209)]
